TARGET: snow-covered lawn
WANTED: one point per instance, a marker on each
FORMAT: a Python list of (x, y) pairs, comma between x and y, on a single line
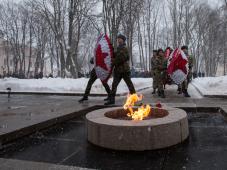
[(60, 85), (207, 85), (211, 85)]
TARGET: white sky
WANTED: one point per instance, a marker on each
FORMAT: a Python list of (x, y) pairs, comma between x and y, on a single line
[(214, 3)]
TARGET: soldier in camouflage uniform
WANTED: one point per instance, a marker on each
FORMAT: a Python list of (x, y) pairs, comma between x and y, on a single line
[(121, 69), (158, 71), (153, 63), (184, 85), (93, 78)]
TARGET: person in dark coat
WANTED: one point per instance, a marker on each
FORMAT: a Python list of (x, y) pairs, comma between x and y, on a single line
[(93, 78), (121, 69)]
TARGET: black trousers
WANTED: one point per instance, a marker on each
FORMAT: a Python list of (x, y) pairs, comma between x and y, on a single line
[(93, 78), (116, 80)]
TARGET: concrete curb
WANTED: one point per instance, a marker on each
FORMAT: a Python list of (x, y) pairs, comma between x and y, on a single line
[(223, 111), (67, 94)]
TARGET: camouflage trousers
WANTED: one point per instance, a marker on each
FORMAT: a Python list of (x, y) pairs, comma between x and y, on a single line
[(158, 80), (155, 86)]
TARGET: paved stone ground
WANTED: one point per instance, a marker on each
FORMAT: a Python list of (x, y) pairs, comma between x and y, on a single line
[(10, 164), (23, 111), (66, 144)]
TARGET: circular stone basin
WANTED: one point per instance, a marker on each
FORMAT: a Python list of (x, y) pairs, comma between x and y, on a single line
[(111, 128)]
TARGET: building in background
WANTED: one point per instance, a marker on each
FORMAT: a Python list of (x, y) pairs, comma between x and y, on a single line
[(7, 62)]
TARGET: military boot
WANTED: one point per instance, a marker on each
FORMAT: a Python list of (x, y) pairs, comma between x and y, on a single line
[(162, 94), (111, 101), (179, 90), (83, 99), (107, 99), (186, 94)]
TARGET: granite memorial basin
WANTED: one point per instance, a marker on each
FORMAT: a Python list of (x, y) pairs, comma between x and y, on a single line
[(111, 128)]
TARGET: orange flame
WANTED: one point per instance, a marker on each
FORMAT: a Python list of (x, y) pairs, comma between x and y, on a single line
[(141, 113)]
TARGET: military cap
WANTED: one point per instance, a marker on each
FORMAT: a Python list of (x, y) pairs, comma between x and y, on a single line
[(121, 37)]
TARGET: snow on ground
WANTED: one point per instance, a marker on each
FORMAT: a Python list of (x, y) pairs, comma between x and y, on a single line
[(60, 85), (207, 85), (211, 85)]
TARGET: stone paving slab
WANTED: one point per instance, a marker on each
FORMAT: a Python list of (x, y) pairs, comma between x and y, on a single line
[(66, 144), (38, 112), (25, 114), (11, 164)]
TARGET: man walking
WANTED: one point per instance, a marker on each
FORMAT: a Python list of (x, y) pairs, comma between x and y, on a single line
[(121, 69), (93, 78)]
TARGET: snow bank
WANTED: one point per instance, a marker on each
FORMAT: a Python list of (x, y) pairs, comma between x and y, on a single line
[(60, 85), (211, 85)]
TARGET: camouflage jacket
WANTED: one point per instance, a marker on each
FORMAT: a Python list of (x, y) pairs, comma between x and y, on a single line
[(121, 60), (159, 64), (153, 63)]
